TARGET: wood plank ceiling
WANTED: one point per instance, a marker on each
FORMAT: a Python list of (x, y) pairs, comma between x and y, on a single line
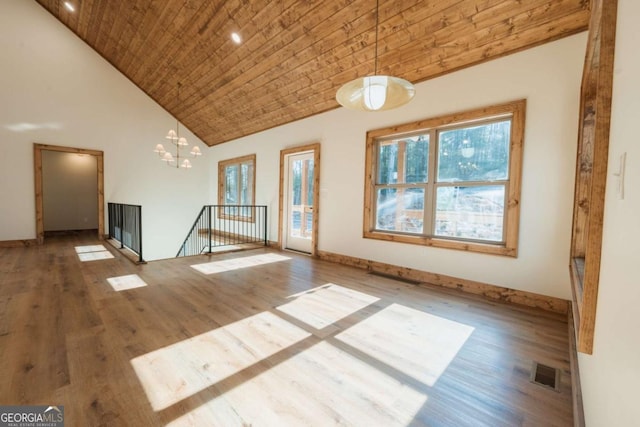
[(295, 54)]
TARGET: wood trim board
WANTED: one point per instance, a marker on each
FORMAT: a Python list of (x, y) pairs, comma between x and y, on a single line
[(516, 110), (315, 147), (18, 243), (493, 292), (37, 167), (576, 387), (222, 164), (591, 168)]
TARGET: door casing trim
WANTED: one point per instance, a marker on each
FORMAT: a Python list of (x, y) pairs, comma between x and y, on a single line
[(315, 148), (37, 163)]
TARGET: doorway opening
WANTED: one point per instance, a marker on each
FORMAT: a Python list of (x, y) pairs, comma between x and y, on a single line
[(299, 198), (81, 217)]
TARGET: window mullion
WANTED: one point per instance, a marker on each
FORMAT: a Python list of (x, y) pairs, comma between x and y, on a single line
[(471, 183), (373, 188), (505, 217), (239, 184), (401, 178), (429, 205)]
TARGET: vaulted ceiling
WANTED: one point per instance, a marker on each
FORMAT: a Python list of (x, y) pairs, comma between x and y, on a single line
[(295, 54)]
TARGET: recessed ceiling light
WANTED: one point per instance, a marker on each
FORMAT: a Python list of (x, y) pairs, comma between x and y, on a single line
[(70, 7), (236, 38)]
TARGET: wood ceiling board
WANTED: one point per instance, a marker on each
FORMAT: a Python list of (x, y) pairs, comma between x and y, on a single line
[(144, 31), (307, 93), (286, 47), (204, 42), (296, 53), (448, 42), (212, 77), (258, 82), (447, 63)]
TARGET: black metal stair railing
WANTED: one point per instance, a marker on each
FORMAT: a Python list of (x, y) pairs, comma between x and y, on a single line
[(125, 226), (225, 225)]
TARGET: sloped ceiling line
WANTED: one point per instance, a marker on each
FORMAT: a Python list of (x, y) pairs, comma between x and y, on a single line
[(296, 53)]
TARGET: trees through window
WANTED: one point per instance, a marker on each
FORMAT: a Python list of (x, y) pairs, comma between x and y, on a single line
[(451, 181), (236, 187)]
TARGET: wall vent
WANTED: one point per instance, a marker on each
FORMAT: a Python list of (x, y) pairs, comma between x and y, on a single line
[(545, 376), (397, 278)]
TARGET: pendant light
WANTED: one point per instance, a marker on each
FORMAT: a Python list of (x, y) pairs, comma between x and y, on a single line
[(377, 92)]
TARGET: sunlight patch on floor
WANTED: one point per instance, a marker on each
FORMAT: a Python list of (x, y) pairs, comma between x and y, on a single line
[(123, 283), (238, 263), (95, 256), (93, 253), (326, 305), (173, 373), (322, 385), (90, 248), (416, 343)]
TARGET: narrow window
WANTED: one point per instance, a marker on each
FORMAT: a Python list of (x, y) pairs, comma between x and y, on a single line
[(236, 187)]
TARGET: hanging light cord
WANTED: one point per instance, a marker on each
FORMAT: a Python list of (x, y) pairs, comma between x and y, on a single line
[(177, 122), (377, 92), (375, 66), (178, 131)]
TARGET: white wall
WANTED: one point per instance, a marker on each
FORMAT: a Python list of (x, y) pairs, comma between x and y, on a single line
[(69, 191), (548, 76), (610, 377), (56, 90)]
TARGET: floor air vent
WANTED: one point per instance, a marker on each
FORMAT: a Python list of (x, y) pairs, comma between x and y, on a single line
[(397, 278), (545, 376)]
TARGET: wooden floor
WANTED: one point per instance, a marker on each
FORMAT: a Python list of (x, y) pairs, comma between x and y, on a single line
[(263, 337)]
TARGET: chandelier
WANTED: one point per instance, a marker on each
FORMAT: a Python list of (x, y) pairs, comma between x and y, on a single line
[(181, 143), (375, 93)]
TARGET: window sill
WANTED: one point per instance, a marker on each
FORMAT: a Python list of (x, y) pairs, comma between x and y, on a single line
[(484, 248), (236, 218), (577, 285)]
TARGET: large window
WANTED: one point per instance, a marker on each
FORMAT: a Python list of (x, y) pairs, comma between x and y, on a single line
[(236, 187), (451, 181)]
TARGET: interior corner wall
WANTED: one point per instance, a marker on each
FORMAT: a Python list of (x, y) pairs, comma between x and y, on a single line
[(549, 78), (610, 376), (69, 191), (57, 90)]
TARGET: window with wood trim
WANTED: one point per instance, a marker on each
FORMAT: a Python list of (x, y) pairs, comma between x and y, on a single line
[(451, 181), (591, 170), (236, 187)]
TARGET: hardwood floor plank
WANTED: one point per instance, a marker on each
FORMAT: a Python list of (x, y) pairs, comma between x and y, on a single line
[(266, 337)]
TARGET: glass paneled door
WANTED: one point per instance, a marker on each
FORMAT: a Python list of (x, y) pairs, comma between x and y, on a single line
[(299, 202)]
